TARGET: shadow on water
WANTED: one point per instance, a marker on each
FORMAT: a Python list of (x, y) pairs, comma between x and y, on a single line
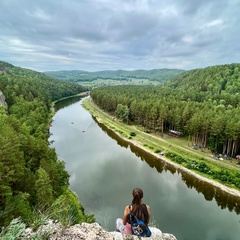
[(66, 102), (210, 192)]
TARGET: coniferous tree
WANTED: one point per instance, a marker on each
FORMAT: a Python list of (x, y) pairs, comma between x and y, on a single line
[(44, 191)]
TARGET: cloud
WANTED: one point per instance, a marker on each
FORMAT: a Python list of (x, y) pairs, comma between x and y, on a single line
[(123, 34)]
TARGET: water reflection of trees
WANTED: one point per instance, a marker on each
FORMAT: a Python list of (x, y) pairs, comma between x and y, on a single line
[(210, 192), (66, 102), (223, 199), (112, 134)]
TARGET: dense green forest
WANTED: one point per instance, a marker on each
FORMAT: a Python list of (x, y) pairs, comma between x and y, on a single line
[(201, 104), (159, 75), (33, 181)]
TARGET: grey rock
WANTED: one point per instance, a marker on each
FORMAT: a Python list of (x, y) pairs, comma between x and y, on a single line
[(56, 231), (2, 100), (82, 231), (156, 235)]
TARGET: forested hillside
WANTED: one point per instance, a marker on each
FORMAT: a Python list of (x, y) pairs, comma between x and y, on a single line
[(160, 75), (203, 104), (32, 179)]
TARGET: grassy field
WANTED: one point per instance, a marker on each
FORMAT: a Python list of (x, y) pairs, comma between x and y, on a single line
[(112, 82), (156, 144)]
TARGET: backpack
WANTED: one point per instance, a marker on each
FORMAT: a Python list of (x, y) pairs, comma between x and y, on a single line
[(138, 227)]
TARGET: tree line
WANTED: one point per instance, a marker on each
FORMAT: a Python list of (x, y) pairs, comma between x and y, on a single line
[(203, 104), (33, 180)]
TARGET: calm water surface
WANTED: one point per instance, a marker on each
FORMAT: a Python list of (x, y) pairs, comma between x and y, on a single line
[(104, 170)]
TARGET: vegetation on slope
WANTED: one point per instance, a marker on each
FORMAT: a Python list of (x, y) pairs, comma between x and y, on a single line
[(32, 179), (202, 105)]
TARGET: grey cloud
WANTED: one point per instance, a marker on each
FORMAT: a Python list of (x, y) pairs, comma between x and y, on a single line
[(103, 34), (202, 7)]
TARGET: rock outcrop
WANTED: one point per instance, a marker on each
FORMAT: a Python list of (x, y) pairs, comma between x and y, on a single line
[(2, 100), (92, 231)]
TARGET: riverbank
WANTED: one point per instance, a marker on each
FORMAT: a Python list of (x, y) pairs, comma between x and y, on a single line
[(155, 145)]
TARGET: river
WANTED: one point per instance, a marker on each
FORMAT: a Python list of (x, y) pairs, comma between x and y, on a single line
[(104, 170)]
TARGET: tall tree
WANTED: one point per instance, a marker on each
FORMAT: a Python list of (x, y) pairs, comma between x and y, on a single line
[(44, 191)]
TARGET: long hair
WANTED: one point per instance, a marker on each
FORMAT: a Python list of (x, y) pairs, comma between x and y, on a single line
[(137, 197), (138, 209)]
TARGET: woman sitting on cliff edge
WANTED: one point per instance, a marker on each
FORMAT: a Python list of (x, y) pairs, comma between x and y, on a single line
[(139, 209)]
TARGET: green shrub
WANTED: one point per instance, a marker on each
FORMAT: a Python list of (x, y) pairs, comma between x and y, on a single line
[(133, 134), (37, 219), (68, 210), (13, 230), (157, 150), (179, 159), (224, 176), (16, 206)]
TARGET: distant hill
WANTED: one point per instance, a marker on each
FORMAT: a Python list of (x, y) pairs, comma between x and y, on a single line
[(160, 75), (213, 81), (31, 84)]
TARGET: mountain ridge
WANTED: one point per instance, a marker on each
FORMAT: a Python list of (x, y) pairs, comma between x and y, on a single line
[(80, 75)]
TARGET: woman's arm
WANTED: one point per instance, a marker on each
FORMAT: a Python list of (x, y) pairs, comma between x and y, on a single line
[(149, 212), (125, 214)]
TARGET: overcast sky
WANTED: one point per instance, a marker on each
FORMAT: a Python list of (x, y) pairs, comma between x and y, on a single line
[(95, 35)]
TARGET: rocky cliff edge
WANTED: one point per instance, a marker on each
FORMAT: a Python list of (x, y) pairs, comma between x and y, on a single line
[(93, 231)]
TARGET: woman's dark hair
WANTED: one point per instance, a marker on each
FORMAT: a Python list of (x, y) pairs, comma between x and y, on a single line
[(139, 209), (137, 196)]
